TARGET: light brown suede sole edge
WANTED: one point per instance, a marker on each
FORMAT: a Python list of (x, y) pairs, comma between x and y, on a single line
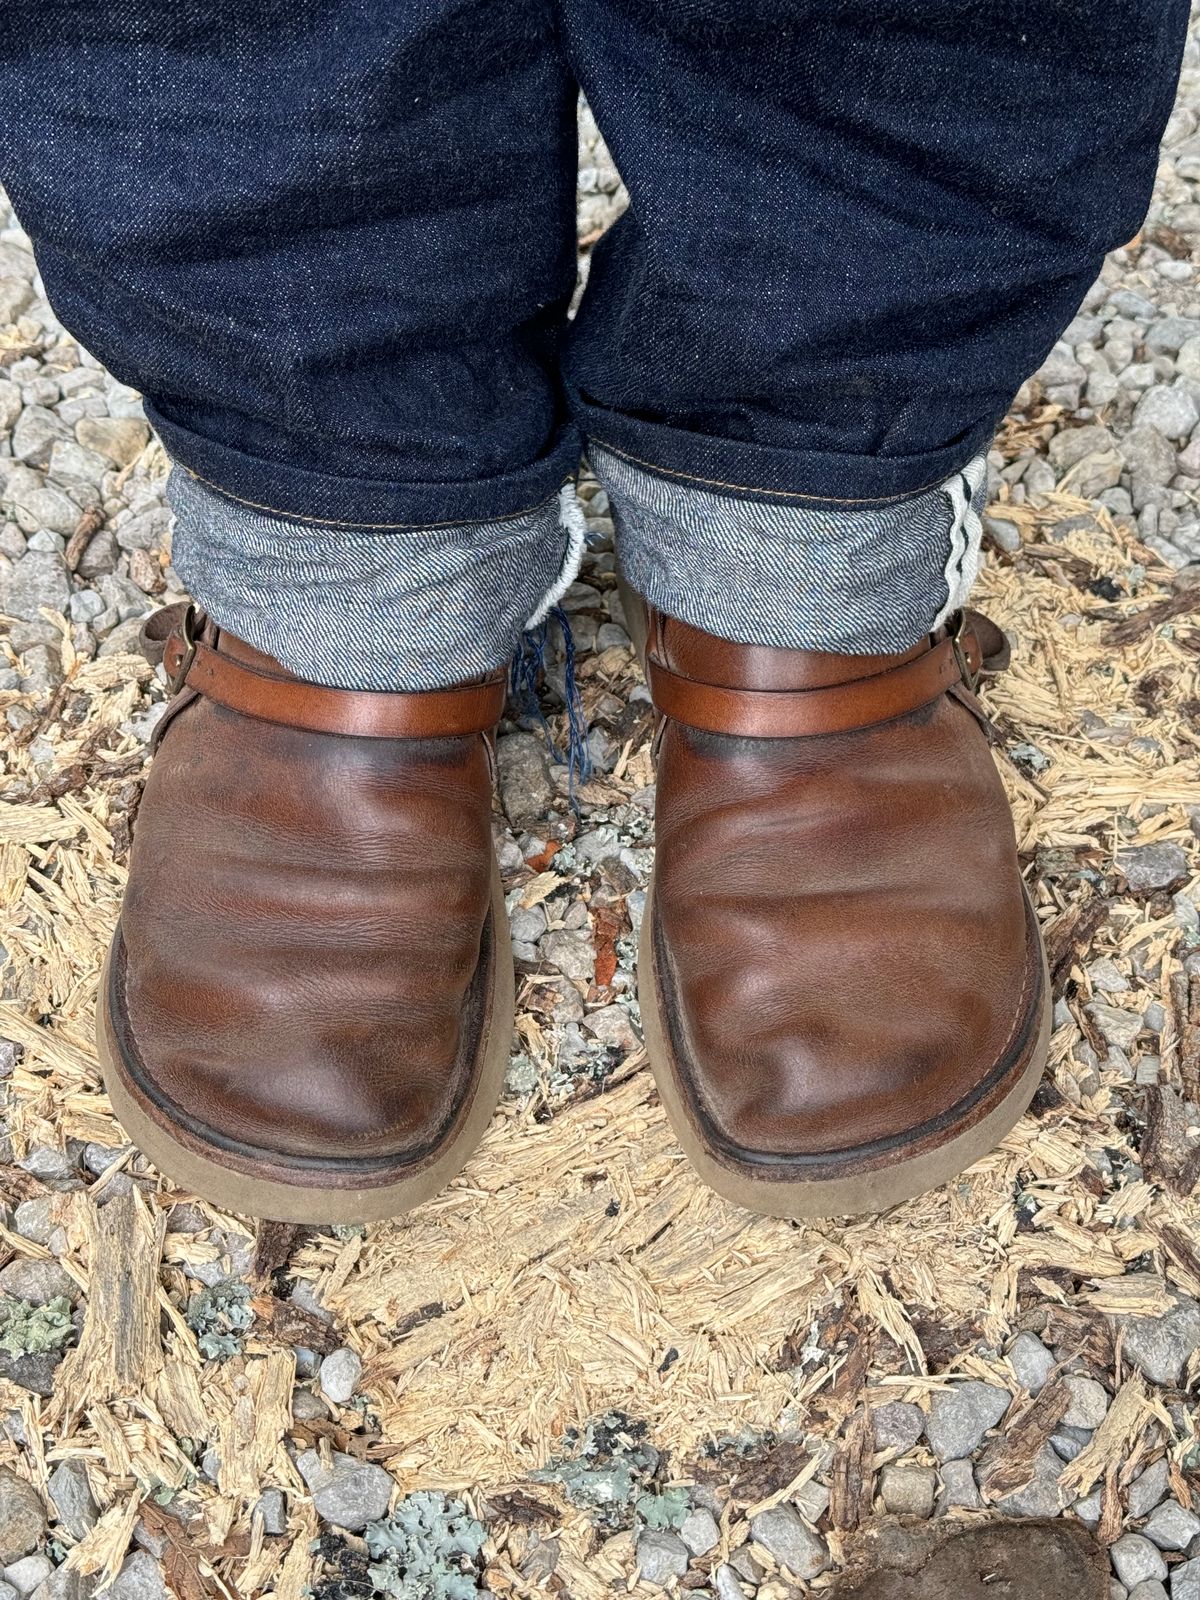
[(276, 1201), (861, 1193)]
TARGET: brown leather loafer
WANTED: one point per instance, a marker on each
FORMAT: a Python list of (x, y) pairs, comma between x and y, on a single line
[(842, 982), (307, 1009)]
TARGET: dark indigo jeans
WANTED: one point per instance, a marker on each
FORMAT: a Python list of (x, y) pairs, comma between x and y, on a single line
[(332, 241)]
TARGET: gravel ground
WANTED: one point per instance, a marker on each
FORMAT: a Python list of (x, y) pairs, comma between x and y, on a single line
[(1113, 418)]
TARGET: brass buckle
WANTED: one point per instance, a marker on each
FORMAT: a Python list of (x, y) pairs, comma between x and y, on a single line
[(970, 678), (187, 635)]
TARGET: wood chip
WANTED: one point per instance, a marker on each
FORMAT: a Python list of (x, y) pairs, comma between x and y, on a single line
[(249, 1441), (1111, 1440), (120, 1351), (852, 1479), (1008, 1463)]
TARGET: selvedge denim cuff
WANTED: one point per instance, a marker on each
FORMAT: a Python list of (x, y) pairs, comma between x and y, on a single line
[(853, 580), (414, 608), (291, 492)]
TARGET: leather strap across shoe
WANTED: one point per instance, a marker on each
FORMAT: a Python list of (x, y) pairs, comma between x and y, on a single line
[(841, 977), (307, 1009), (952, 664)]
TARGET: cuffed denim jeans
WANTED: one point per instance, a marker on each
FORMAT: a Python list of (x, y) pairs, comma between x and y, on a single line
[(332, 242)]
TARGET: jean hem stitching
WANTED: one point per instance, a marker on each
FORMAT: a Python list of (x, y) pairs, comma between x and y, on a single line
[(370, 527), (777, 494)]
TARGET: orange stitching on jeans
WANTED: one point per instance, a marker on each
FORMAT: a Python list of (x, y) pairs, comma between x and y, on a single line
[(371, 527), (778, 494)]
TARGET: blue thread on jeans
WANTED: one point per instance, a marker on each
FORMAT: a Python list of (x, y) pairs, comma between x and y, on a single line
[(525, 677)]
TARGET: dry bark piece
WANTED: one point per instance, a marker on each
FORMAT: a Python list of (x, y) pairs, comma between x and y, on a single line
[(292, 1324), (1008, 1463), (120, 1351), (1169, 1156), (273, 1244), (851, 1484), (1070, 934)]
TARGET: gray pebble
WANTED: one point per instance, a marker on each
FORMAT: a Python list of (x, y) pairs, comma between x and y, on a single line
[(44, 539), (785, 1536), (38, 579), (1149, 867), (340, 1372), (22, 1517), (523, 771), (1120, 1028), (1148, 455), (41, 669), (100, 556), (960, 1417), (1171, 1527), (612, 1025), (908, 1490), (1134, 1559), (1132, 305), (1148, 1589), (1068, 1445), (348, 1493), (1159, 1347), (140, 1578), (1003, 532), (119, 439), (32, 1220), (1107, 976), (959, 1489), (64, 1583), (661, 1557), (1072, 445), (1039, 477), (1147, 1489), (124, 401), (13, 542), (28, 1574), (812, 1501), (1089, 1404), (34, 435), (1185, 1581), (84, 606), (727, 1585), (598, 845), (49, 1164), (747, 1568), (1031, 1362), (1169, 334), (897, 1425), (72, 1498), (272, 1507), (38, 1281), (572, 952), (1089, 1508), (527, 925), (307, 1406), (97, 1158), (700, 1532), (10, 405), (144, 532), (1060, 367), (1187, 361)]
